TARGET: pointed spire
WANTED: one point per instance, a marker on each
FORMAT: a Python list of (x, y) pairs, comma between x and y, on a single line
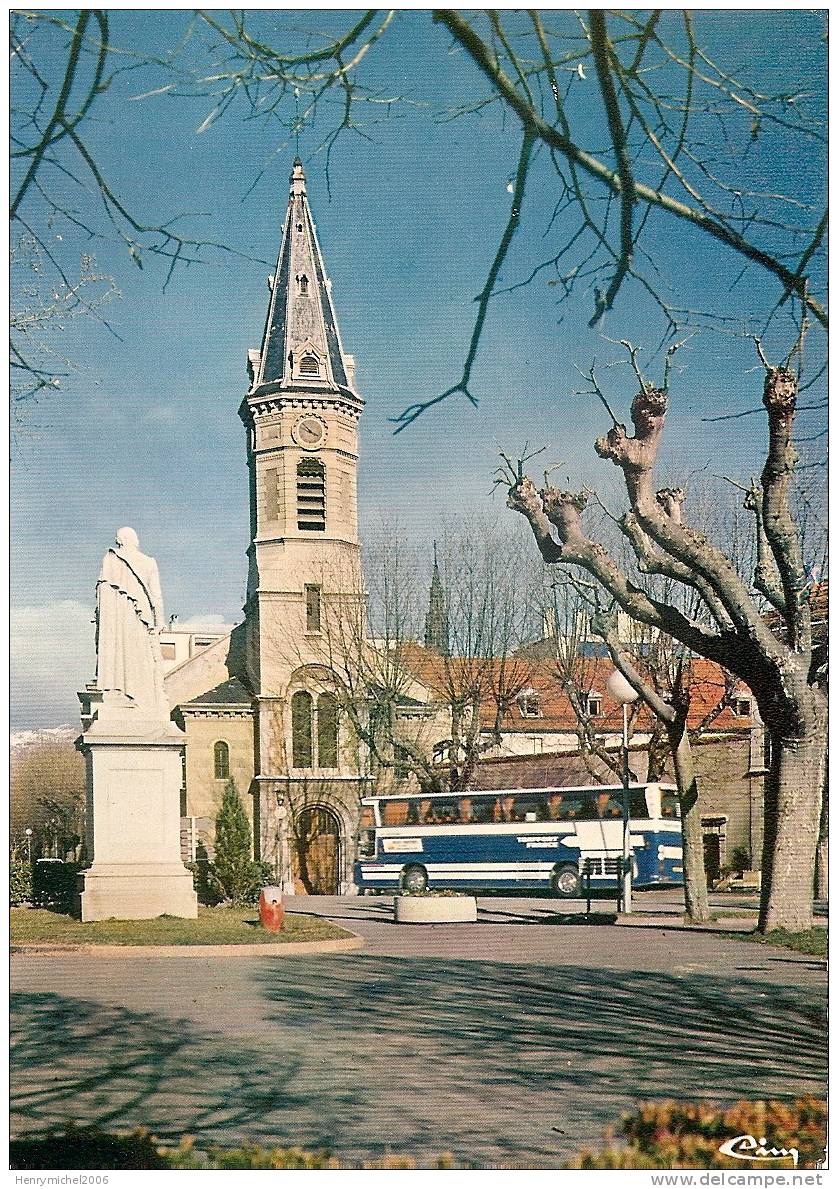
[(436, 621), (301, 346)]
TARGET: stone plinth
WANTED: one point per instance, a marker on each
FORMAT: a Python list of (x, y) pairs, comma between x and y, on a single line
[(134, 777), (434, 910)]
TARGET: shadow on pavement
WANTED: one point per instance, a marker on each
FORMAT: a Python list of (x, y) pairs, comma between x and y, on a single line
[(500, 1064)]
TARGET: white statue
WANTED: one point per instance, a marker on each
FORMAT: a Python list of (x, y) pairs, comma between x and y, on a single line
[(129, 616)]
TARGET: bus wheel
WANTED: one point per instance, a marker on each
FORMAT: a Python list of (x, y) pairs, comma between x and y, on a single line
[(566, 883), (414, 879)]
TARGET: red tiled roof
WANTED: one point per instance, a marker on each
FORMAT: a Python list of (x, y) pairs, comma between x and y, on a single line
[(819, 607), (445, 675)]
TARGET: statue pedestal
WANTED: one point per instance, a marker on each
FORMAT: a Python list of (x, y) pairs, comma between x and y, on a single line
[(134, 777)]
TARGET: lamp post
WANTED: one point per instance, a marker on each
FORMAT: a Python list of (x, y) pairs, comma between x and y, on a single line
[(28, 833), (623, 692)]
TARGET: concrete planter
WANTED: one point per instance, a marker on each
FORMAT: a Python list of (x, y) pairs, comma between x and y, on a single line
[(434, 910)]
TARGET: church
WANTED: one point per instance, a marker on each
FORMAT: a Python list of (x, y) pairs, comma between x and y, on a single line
[(258, 703)]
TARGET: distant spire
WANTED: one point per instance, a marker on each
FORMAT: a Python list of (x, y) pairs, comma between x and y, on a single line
[(301, 347), (436, 621)]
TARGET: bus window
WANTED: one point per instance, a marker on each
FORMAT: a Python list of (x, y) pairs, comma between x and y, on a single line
[(442, 813), (612, 807), (367, 817), (589, 808), (393, 813), (482, 810), (571, 808), (366, 844), (466, 810), (507, 809), (554, 806), (670, 806), (639, 804), (530, 809)]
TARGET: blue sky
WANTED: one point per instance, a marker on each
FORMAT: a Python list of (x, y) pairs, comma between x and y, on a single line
[(147, 432)]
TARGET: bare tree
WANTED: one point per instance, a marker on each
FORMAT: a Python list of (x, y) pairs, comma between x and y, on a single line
[(660, 669), (424, 716), (61, 67), (47, 795), (568, 623), (785, 669), (43, 302)]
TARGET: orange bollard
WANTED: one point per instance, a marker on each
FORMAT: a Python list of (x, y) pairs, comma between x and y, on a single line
[(271, 909)]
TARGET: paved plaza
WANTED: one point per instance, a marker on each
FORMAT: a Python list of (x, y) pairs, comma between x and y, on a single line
[(511, 1042)]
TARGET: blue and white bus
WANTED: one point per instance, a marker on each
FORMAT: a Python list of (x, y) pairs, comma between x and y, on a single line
[(516, 839)]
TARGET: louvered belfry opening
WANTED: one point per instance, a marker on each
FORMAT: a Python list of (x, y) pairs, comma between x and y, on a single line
[(311, 496)]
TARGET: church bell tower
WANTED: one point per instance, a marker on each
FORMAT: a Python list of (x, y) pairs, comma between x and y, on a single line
[(301, 417)]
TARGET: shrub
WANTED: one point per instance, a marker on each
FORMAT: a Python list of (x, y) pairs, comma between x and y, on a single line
[(250, 1156), (258, 876), (54, 885), (740, 860), (89, 1147), (233, 869), (86, 1148), (206, 886), (20, 882), (688, 1135)]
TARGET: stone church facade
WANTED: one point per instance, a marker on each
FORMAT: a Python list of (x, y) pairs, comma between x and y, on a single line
[(258, 705)]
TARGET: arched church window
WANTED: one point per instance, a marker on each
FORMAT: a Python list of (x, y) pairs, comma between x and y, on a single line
[(302, 285), (327, 731), (301, 715), (311, 496), (309, 366), (221, 760)]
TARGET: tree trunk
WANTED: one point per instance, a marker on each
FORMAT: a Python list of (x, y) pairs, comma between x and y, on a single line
[(822, 852), (792, 812), (696, 900)]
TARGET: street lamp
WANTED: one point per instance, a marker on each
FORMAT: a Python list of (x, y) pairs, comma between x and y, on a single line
[(28, 833), (622, 691)]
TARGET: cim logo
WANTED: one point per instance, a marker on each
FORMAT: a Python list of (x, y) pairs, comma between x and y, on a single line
[(746, 1147)]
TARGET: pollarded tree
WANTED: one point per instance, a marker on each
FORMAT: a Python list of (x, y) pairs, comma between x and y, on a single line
[(661, 672), (779, 661)]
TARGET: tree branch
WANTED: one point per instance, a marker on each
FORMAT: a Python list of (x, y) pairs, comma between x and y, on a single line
[(556, 139)]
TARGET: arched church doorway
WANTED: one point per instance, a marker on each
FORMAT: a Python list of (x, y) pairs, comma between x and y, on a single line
[(316, 852)]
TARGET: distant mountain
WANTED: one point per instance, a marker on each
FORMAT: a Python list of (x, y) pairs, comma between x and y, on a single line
[(20, 740)]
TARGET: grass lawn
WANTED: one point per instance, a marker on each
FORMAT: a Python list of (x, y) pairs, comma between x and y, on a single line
[(214, 926), (810, 941)]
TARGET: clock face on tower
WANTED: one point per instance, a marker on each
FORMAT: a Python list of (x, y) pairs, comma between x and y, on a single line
[(309, 432)]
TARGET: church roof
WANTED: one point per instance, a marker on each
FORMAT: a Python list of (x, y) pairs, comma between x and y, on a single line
[(301, 346), (229, 693)]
